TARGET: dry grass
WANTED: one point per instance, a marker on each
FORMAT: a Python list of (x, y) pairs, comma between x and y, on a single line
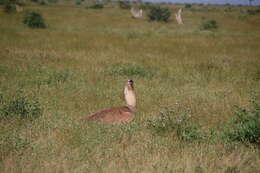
[(68, 67)]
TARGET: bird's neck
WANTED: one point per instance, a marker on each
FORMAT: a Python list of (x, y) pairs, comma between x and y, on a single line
[(130, 97)]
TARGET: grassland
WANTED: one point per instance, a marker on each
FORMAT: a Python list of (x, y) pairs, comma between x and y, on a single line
[(79, 64)]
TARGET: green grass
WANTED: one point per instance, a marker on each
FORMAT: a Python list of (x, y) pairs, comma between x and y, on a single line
[(79, 64)]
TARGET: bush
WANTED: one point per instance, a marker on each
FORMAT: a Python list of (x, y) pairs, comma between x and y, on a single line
[(97, 6), (34, 20), (188, 5), (20, 108), (209, 25), (245, 127), (170, 121), (124, 4), (158, 13)]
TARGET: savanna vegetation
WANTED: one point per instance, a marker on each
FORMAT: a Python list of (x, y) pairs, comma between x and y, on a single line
[(197, 85)]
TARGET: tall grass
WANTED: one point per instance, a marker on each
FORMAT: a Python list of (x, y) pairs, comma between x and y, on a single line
[(79, 65)]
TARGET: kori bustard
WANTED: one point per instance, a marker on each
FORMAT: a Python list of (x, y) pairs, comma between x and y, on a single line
[(121, 114)]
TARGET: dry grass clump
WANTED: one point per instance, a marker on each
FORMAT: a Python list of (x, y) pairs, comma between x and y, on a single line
[(77, 66)]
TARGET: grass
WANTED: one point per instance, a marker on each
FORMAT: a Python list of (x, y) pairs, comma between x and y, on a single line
[(79, 65)]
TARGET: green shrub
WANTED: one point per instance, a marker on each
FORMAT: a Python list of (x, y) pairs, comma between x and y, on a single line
[(124, 4), (131, 70), (188, 5), (34, 0), (209, 25), (245, 127), (97, 6), (158, 13), (34, 20), (177, 122), (20, 108)]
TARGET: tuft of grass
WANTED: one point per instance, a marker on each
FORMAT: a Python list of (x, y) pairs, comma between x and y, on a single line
[(96, 6), (209, 25), (232, 169), (20, 107), (53, 1), (131, 70), (245, 126), (11, 142), (57, 77)]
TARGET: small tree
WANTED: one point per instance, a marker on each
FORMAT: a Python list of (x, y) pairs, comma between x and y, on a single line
[(158, 13)]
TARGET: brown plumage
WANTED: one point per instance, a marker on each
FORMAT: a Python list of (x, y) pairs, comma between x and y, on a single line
[(121, 114)]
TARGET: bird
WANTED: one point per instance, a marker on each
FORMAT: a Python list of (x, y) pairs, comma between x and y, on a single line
[(136, 14), (178, 17), (123, 114)]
